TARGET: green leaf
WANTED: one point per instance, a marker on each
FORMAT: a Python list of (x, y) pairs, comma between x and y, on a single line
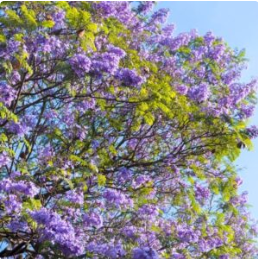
[(101, 179), (48, 24)]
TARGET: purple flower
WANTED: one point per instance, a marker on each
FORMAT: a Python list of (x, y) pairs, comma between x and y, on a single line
[(168, 30), (129, 77), (145, 253), (149, 210), (107, 62), (252, 131), (124, 175), (15, 77), (117, 198), (120, 10), (177, 42), (59, 231), (209, 38), (42, 216), (187, 234), (140, 180), (246, 111), (19, 128), (107, 9), (7, 94), (217, 52), (12, 204), (239, 181), (13, 46), (75, 196), (145, 6), (80, 64), (115, 50), (59, 18), (26, 188), (182, 89), (17, 225), (93, 219), (129, 231), (159, 16), (177, 256), (115, 252), (201, 192), (204, 246), (199, 93)]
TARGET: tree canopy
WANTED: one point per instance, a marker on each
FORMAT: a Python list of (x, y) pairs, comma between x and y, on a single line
[(118, 137)]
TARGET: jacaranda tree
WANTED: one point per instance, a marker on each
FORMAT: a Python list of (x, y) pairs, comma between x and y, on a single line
[(118, 137)]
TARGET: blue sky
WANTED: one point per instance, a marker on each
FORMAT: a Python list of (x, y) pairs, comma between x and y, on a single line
[(236, 23)]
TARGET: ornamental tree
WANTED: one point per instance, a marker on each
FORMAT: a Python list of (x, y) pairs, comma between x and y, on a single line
[(118, 137)]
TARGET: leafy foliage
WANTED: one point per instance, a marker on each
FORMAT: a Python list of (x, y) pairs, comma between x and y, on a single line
[(118, 138)]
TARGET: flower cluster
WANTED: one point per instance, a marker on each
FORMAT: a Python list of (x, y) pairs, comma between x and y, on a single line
[(80, 64)]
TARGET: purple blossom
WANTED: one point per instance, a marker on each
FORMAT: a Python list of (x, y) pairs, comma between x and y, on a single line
[(75, 196), (177, 42), (168, 30), (149, 210), (58, 230), (145, 253), (54, 46), (12, 204), (132, 143), (204, 246), (17, 225), (129, 77), (124, 175), (115, 50), (119, 10), (42, 216), (217, 52), (199, 53), (141, 180), (19, 128), (129, 231), (15, 77), (59, 17), (177, 256), (80, 64), (107, 62), (246, 111), (117, 198), (145, 6), (240, 199), (7, 94), (199, 93), (201, 192), (107, 9), (182, 89), (93, 219), (12, 46), (116, 251), (105, 249), (26, 188), (239, 181), (159, 16), (187, 234), (209, 38), (252, 131)]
